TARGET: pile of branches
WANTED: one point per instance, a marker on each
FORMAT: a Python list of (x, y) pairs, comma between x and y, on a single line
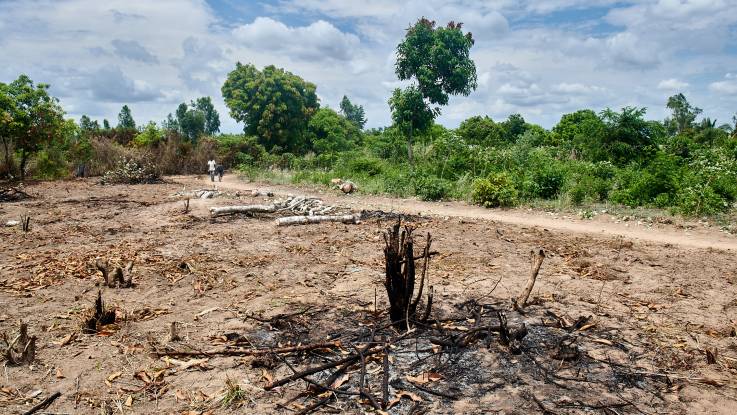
[(130, 171), (12, 194), (307, 210)]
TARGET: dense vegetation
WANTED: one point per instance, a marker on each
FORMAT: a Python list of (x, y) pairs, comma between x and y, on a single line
[(684, 163)]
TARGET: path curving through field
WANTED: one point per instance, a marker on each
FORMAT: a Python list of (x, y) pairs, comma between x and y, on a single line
[(698, 236)]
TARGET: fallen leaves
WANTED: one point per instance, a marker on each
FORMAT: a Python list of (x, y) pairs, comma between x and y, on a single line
[(403, 394), (66, 339), (425, 377)]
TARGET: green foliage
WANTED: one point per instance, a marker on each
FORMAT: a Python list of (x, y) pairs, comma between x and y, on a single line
[(366, 166), (238, 149), (683, 114), (495, 191), (150, 136), (353, 113), (329, 132), (438, 58), (275, 105), (30, 119), (480, 130), (431, 188), (125, 119)]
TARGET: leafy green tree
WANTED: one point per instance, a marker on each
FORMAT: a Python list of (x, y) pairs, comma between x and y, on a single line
[(580, 133), (35, 118), (411, 114), (8, 109), (87, 126), (438, 60), (212, 118), (683, 114), (627, 136), (106, 124), (275, 105), (513, 127), (125, 119), (191, 122), (329, 132), (353, 113), (480, 130), (150, 136)]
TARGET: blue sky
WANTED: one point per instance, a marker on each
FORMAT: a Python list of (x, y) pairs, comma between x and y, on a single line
[(541, 59)]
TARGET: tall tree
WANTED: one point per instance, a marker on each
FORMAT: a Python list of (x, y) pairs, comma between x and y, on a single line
[(191, 122), (437, 60), (212, 118), (275, 105), (87, 126), (683, 114), (106, 124), (36, 118), (8, 110), (353, 113), (125, 119)]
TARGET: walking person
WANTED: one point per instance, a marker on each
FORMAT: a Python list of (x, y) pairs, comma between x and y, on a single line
[(211, 169)]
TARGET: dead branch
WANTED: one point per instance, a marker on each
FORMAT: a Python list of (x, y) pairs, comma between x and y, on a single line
[(173, 335), (230, 210), (12, 194), (44, 404), (537, 261), (316, 369), (304, 220), (249, 352)]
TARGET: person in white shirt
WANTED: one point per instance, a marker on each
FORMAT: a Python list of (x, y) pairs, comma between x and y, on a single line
[(211, 169)]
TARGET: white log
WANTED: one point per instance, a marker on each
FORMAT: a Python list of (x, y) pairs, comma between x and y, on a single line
[(304, 220), (229, 210)]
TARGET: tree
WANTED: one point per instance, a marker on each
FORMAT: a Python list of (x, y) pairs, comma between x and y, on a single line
[(513, 127), (106, 124), (438, 62), (8, 110), (30, 119), (274, 105), (87, 126), (627, 136), (480, 130), (353, 113), (683, 114), (438, 59), (411, 114), (329, 132), (125, 119), (212, 118)]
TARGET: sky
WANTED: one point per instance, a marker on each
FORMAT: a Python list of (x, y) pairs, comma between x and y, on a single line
[(541, 59)]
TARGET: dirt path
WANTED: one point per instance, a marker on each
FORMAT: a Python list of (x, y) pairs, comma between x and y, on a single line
[(697, 236)]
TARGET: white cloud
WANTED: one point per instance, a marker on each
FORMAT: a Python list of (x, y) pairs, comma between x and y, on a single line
[(727, 86), (318, 40), (672, 84)]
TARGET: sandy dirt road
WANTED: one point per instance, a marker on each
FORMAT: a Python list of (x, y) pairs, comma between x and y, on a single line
[(693, 235)]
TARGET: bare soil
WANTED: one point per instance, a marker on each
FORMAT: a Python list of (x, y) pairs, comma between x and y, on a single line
[(658, 298)]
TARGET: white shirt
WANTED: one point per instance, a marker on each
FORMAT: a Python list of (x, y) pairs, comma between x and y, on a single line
[(211, 165)]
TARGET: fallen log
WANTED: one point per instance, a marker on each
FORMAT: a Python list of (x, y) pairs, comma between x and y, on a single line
[(249, 352), (230, 210), (304, 220), (44, 404)]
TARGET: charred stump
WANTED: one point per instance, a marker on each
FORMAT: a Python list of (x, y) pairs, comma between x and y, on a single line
[(401, 275)]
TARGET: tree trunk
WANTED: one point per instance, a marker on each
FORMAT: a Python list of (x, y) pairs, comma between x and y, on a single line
[(7, 156), (409, 149), (304, 220), (229, 210), (23, 160)]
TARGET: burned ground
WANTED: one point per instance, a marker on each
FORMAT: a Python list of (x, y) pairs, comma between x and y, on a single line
[(658, 313)]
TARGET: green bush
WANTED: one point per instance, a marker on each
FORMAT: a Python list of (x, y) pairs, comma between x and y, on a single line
[(495, 191), (700, 200), (431, 188), (365, 166)]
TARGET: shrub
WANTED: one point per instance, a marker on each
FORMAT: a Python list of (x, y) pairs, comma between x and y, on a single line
[(700, 200), (495, 191), (365, 166), (431, 188)]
